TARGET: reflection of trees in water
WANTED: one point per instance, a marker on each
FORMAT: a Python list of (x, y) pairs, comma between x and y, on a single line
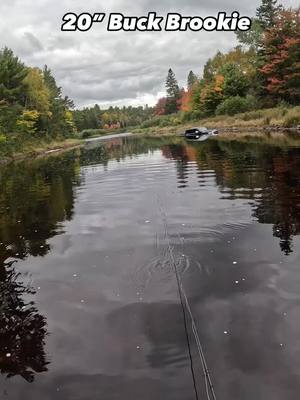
[(282, 199), (35, 198), (267, 175), (182, 156), (22, 328), (118, 149)]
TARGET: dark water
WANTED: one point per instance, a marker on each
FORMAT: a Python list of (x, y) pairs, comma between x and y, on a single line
[(90, 307)]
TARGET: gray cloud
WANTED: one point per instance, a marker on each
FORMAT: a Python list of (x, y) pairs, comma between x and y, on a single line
[(113, 67), (33, 41)]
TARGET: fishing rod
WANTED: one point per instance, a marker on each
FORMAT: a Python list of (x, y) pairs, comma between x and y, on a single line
[(182, 296)]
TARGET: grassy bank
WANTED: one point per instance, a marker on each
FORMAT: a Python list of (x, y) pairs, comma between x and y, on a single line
[(273, 138), (17, 149), (272, 118), (255, 123)]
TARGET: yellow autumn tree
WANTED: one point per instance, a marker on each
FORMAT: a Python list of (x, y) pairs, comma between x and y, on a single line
[(27, 123), (36, 94), (70, 121)]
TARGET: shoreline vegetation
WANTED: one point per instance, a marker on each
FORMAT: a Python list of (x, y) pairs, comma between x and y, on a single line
[(273, 119), (254, 87), (264, 134), (38, 148), (267, 125)]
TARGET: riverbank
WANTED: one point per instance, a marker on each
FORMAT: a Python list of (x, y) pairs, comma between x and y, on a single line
[(35, 148), (272, 124), (273, 119)]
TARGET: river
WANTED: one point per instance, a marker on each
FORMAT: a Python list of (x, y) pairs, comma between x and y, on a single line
[(151, 269)]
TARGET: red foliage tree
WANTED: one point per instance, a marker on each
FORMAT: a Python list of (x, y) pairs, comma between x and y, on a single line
[(282, 56), (160, 108)]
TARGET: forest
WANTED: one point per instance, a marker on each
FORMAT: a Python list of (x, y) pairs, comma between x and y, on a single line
[(261, 72)]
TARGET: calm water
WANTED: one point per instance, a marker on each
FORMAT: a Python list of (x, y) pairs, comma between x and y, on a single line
[(89, 245)]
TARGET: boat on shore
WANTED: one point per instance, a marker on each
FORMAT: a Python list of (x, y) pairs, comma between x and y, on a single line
[(200, 133)]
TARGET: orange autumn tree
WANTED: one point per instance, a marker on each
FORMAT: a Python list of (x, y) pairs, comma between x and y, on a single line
[(160, 107), (282, 57), (219, 80), (186, 100)]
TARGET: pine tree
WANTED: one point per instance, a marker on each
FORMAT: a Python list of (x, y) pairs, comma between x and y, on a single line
[(267, 12), (266, 15), (173, 93), (191, 80), (171, 84), (57, 124), (253, 37), (12, 74)]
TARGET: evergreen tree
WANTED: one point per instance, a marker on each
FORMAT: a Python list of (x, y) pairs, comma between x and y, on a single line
[(59, 121), (266, 13), (265, 18), (253, 37), (173, 93), (12, 74), (191, 80)]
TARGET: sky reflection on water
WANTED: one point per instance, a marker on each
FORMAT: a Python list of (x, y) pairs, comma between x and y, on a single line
[(102, 316)]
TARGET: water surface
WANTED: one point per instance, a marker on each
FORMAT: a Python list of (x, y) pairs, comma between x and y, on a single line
[(89, 245)]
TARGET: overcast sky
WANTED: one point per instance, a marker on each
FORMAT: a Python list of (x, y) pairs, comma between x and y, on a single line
[(114, 68)]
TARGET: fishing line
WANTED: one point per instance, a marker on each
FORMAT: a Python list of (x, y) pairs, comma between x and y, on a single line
[(185, 325), (182, 295)]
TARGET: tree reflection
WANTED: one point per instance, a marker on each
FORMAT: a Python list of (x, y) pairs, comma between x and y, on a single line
[(35, 197), (22, 328), (267, 175), (120, 148)]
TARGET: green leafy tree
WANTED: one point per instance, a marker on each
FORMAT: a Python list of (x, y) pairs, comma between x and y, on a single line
[(113, 117), (210, 99), (37, 93), (236, 104), (235, 82), (28, 121), (87, 118), (211, 67), (196, 95)]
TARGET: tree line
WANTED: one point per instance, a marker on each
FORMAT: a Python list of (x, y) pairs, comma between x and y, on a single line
[(32, 105), (111, 118), (31, 101), (262, 71)]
